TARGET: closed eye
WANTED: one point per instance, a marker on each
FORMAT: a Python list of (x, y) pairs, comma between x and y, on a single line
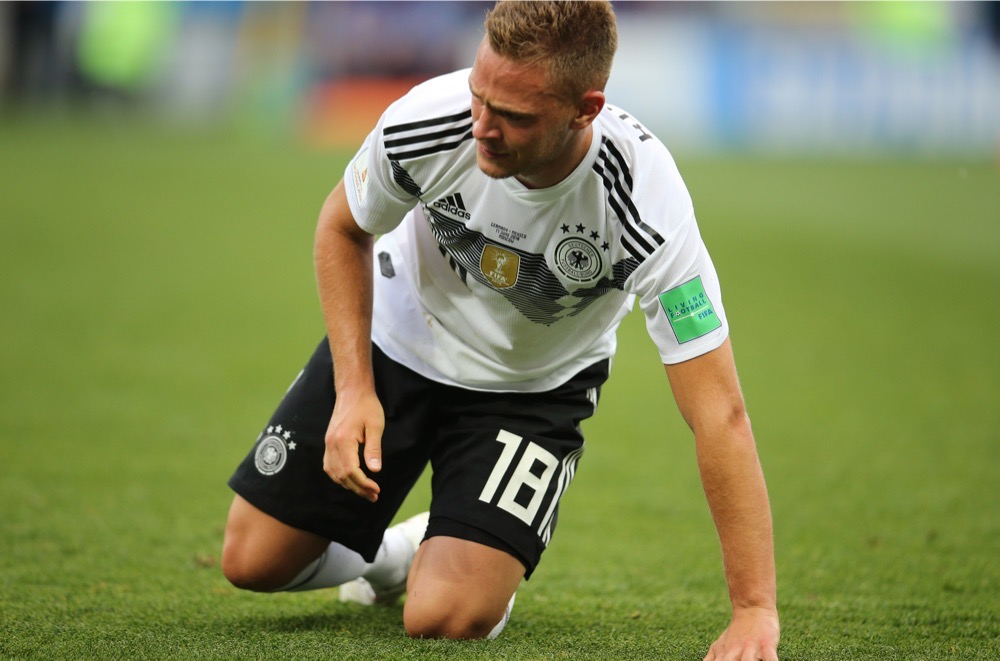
[(509, 115)]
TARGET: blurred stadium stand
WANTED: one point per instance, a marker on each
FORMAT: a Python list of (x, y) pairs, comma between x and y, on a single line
[(790, 77)]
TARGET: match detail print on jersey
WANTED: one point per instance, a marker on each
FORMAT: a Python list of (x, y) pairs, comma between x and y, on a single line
[(689, 310)]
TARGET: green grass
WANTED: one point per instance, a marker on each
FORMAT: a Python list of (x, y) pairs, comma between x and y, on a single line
[(157, 298)]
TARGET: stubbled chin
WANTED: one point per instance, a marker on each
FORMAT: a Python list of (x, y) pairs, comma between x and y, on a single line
[(491, 169)]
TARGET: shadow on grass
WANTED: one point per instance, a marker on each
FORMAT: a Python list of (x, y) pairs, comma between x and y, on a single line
[(339, 618)]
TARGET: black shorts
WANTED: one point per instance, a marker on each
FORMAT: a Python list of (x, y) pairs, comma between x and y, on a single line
[(500, 461)]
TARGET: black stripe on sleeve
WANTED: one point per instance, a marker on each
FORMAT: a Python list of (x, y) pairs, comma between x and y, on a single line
[(427, 123), (433, 149), (428, 137)]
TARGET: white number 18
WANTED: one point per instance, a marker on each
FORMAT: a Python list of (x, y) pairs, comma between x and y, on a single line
[(521, 477)]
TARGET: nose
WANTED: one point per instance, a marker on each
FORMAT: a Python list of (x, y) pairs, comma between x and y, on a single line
[(484, 125)]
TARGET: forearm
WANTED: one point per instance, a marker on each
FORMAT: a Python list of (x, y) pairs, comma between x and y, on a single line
[(343, 263), (708, 393), (737, 497)]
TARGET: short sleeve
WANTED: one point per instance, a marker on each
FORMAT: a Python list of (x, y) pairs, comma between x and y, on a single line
[(377, 201), (680, 296)]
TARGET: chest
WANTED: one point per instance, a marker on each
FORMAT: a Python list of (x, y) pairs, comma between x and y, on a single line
[(569, 239)]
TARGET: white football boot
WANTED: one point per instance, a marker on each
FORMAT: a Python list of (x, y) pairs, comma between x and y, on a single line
[(364, 592)]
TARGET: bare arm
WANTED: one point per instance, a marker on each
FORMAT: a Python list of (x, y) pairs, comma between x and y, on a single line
[(343, 261), (708, 394)]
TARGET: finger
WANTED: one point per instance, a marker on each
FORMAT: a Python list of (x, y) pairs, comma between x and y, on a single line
[(367, 492), (373, 450), (362, 485), (755, 653), (338, 464), (344, 468), (373, 446)]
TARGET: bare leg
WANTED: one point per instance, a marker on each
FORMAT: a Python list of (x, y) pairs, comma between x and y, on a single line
[(458, 589), (261, 553)]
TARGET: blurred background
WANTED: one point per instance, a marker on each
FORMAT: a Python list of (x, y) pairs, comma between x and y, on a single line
[(791, 77), (162, 166)]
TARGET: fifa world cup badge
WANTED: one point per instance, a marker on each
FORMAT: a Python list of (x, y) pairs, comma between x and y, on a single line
[(500, 266)]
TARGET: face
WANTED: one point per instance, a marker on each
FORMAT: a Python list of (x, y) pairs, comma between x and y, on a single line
[(522, 129)]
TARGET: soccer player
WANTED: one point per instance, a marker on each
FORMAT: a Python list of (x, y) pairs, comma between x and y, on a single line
[(520, 215)]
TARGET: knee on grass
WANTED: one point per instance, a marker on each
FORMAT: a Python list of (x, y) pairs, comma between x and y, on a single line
[(249, 572), (450, 620)]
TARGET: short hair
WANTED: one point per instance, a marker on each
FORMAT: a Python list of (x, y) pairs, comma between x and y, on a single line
[(576, 40)]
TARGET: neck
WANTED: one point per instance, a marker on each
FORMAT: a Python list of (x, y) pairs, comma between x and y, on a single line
[(561, 167)]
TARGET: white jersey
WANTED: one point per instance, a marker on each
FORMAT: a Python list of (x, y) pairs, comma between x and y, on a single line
[(485, 284)]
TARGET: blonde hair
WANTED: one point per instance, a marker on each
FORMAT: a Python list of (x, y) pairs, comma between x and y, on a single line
[(576, 40)]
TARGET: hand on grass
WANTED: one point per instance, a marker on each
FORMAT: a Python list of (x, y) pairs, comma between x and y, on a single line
[(357, 420), (752, 635)]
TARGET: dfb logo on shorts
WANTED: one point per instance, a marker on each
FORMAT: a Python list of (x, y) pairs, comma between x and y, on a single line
[(272, 452)]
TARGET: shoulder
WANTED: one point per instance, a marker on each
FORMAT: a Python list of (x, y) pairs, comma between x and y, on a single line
[(628, 143), (639, 170), (432, 117)]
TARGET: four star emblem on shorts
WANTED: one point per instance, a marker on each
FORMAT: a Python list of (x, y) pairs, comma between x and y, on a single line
[(283, 433)]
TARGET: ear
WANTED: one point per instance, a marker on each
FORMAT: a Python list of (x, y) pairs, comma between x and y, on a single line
[(590, 106)]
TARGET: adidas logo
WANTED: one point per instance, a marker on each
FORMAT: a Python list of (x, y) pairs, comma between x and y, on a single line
[(453, 204)]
